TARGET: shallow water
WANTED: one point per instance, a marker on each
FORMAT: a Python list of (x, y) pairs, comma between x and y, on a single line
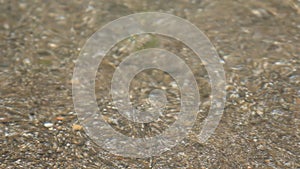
[(259, 43)]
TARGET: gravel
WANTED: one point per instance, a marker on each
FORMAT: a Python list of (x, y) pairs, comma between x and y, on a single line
[(259, 42)]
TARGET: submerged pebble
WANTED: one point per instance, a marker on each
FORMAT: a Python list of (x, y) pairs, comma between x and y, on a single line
[(48, 124)]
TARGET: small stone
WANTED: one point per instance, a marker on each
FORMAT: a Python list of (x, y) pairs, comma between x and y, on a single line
[(60, 118), (6, 26), (295, 79), (297, 100), (26, 61), (3, 119), (22, 5), (260, 147), (52, 45), (76, 127), (71, 113), (75, 82), (277, 112), (259, 12), (259, 112), (48, 124)]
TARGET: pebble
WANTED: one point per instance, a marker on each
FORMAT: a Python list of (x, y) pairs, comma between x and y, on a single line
[(26, 61), (260, 12), (60, 118), (76, 127), (52, 45), (297, 101), (6, 26), (295, 79), (259, 112), (48, 124)]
